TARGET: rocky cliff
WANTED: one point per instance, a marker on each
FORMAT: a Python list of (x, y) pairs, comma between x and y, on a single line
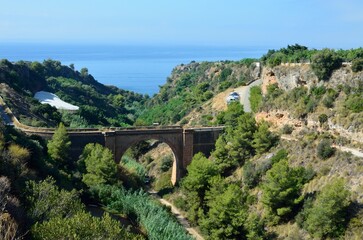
[(291, 75)]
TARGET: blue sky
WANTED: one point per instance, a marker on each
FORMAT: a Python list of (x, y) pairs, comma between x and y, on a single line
[(314, 23)]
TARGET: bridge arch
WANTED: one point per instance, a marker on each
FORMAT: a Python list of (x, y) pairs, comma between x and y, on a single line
[(120, 141)]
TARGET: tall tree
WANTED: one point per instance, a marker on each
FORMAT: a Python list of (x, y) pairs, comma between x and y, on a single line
[(196, 183), (282, 189), (200, 170), (240, 138), (230, 116), (263, 138), (227, 211), (58, 147), (99, 165), (328, 215), (235, 146)]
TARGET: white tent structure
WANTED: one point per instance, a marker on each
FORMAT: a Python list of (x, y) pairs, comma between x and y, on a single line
[(53, 100)]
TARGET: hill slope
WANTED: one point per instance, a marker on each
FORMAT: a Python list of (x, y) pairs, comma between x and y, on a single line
[(21, 80), (318, 107)]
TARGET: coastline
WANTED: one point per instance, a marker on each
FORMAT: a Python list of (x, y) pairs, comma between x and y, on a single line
[(141, 69)]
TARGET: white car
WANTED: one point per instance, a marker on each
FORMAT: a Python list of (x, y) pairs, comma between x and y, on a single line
[(232, 97)]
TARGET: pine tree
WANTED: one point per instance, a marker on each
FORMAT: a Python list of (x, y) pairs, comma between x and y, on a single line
[(99, 165), (239, 140), (282, 189), (263, 139), (196, 183), (200, 170), (233, 148), (227, 211), (230, 116), (327, 216), (58, 147)]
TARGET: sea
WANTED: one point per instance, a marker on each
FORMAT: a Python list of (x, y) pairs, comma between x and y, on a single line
[(142, 69)]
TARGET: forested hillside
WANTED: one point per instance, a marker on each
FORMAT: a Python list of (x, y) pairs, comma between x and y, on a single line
[(21, 80), (278, 172), (275, 173), (189, 86)]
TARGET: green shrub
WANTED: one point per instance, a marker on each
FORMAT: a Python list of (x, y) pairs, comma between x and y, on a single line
[(328, 101), (281, 154), (252, 172), (224, 74), (224, 85), (354, 103), (180, 203), (323, 118), (327, 216), (166, 163), (163, 182), (318, 91), (324, 63), (324, 149), (255, 98), (287, 129), (46, 201), (132, 165), (273, 91), (81, 226), (18, 153), (357, 65)]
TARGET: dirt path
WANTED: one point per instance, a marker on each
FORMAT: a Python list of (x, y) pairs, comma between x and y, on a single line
[(183, 221), (354, 151)]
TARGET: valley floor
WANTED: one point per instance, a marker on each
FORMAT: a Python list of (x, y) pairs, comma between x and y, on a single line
[(182, 219)]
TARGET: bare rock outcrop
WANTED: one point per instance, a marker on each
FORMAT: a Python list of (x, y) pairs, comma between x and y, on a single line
[(289, 76)]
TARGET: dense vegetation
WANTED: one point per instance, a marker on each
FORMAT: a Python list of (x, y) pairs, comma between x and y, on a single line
[(23, 79), (53, 208), (193, 84), (255, 185), (342, 104), (300, 54), (323, 62), (240, 192)]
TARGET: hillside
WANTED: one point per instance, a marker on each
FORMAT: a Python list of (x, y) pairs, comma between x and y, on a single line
[(315, 107), (277, 172), (189, 86), (21, 80), (340, 120)]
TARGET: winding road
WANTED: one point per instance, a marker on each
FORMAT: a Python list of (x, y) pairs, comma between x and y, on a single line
[(244, 93)]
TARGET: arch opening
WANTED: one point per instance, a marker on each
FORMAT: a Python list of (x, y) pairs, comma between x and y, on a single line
[(154, 162)]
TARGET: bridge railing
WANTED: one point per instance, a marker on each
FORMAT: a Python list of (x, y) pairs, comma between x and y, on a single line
[(143, 127)]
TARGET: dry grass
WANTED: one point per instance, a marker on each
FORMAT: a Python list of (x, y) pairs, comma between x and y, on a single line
[(341, 164), (290, 231)]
